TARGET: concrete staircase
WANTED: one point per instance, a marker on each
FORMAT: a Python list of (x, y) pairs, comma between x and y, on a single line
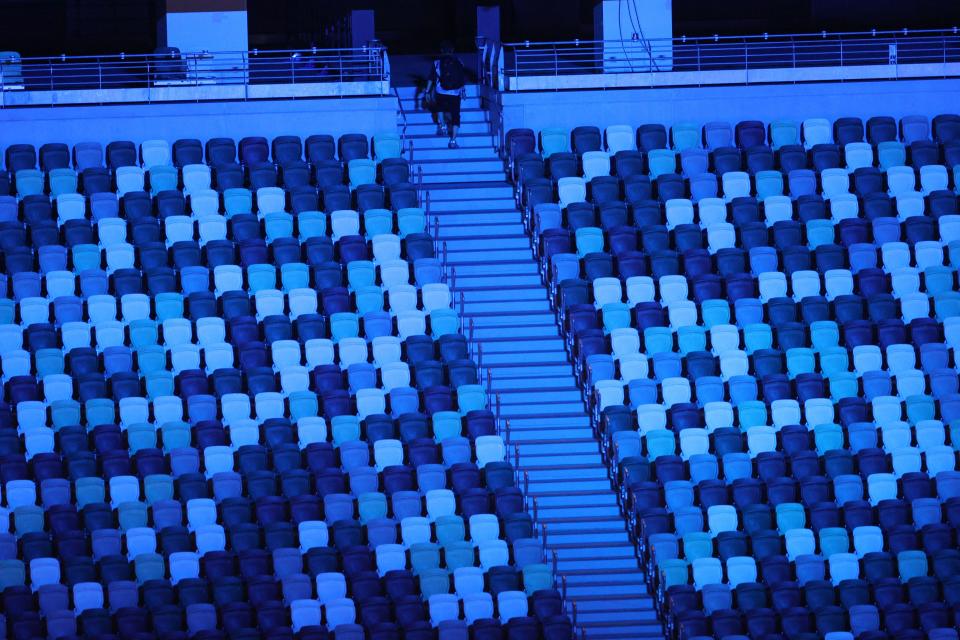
[(510, 322)]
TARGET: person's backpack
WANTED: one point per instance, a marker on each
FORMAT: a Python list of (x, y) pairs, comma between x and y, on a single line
[(451, 73)]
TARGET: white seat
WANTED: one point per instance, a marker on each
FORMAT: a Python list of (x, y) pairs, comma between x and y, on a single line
[(784, 411), (196, 177), (711, 211), (128, 179), (773, 284), (678, 211), (633, 366), (799, 542), (934, 177), (721, 235), (640, 289), (777, 209), (844, 206), (673, 288), (834, 182), (816, 131), (595, 163), (620, 137), (571, 189), (606, 290), (344, 222), (761, 439), (204, 202), (178, 229), (910, 205), (839, 282), (805, 282), (736, 184), (270, 200), (858, 155)]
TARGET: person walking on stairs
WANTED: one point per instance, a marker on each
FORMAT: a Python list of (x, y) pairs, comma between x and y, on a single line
[(448, 82)]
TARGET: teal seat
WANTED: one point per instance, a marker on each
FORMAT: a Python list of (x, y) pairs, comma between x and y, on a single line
[(827, 437), (891, 154), (616, 315), (344, 429), (64, 413), (715, 311), (13, 573), (278, 225), (844, 385), (163, 178), (387, 144), (784, 132), (294, 275), (444, 322), (99, 411), (86, 257), (657, 340), (685, 135), (834, 360), (369, 299), (29, 182), (820, 232), (48, 362), (769, 183), (303, 404), (912, 564), (660, 442), (919, 408), (159, 383), (824, 334), (361, 273), (938, 280), (947, 304), (175, 435), (8, 311), (752, 413), (151, 358), (311, 224), (236, 201), (411, 220), (554, 140), (62, 181), (168, 305), (261, 276), (361, 171), (377, 222), (691, 338), (141, 436), (800, 360), (446, 424), (790, 515), (697, 544), (661, 161), (344, 325), (757, 335), (589, 240), (471, 397), (143, 332)]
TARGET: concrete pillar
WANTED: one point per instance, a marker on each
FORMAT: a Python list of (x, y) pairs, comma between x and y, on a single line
[(362, 27), (488, 22), (640, 29)]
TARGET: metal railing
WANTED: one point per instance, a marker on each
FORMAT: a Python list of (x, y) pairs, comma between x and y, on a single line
[(718, 53), (175, 69)]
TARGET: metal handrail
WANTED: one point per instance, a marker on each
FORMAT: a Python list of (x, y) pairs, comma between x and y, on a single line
[(762, 51), (174, 68)]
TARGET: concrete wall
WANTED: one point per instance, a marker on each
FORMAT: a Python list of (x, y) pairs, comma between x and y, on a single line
[(897, 98), (196, 120)]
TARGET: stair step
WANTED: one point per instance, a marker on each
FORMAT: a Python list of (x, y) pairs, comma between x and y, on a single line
[(586, 614), (506, 306), (522, 435), (480, 227), (469, 188), (452, 175), (457, 244), (613, 523), (564, 407), (421, 130), (504, 294), (473, 256), (464, 166), (497, 268), (573, 449), (505, 384), (505, 344), (580, 420), (593, 550), (543, 396), (567, 474), (476, 207), (467, 284), (573, 497), (542, 318), (625, 576), (575, 536), (550, 485), (596, 564), (523, 331)]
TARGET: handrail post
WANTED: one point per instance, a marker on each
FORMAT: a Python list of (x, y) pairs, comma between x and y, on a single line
[(506, 430), (498, 408)]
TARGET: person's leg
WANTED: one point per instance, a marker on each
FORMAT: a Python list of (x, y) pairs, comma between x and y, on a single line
[(454, 120)]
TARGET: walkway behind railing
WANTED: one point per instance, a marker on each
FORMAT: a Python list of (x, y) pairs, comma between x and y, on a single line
[(193, 76), (520, 66)]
